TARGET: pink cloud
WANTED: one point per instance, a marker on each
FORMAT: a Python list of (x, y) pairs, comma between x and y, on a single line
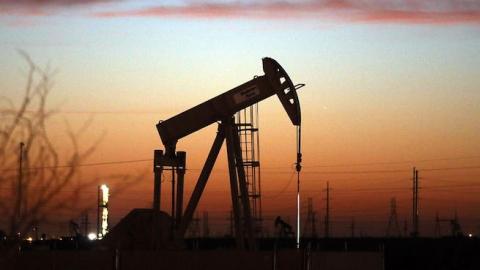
[(369, 11), (49, 2), (216, 10), (421, 17), (363, 11), (41, 7)]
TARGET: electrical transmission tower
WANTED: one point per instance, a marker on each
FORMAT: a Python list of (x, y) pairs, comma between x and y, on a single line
[(310, 228), (327, 212), (455, 228), (393, 229), (415, 212), (247, 123)]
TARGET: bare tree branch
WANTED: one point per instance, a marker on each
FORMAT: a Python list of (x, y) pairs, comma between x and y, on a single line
[(39, 190)]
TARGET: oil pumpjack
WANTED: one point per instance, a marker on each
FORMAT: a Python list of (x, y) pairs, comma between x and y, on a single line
[(220, 109)]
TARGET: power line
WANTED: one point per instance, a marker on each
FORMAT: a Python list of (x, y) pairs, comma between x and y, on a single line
[(88, 112), (392, 162), (357, 172), (451, 168), (384, 171), (450, 186), (276, 172), (372, 189), (285, 191), (81, 165), (282, 190)]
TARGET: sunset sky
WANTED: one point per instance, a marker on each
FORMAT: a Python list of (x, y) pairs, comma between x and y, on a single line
[(389, 85)]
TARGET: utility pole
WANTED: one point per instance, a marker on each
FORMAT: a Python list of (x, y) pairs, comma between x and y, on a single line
[(206, 229), (417, 232), (17, 211), (437, 225), (85, 224), (415, 214), (20, 180), (393, 220), (352, 228), (35, 229), (25, 180), (455, 224), (327, 212), (313, 221), (157, 172), (310, 224)]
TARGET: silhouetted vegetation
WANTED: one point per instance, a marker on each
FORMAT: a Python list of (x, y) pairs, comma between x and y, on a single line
[(32, 171)]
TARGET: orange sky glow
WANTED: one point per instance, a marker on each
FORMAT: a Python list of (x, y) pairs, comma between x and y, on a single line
[(388, 88)]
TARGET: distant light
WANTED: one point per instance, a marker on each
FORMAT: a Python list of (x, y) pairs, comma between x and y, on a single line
[(470, 235), (92, 236), (29, 239), (105, 194)]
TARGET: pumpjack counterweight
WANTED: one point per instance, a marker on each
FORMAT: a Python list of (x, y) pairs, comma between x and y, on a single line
[(222, 109)]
